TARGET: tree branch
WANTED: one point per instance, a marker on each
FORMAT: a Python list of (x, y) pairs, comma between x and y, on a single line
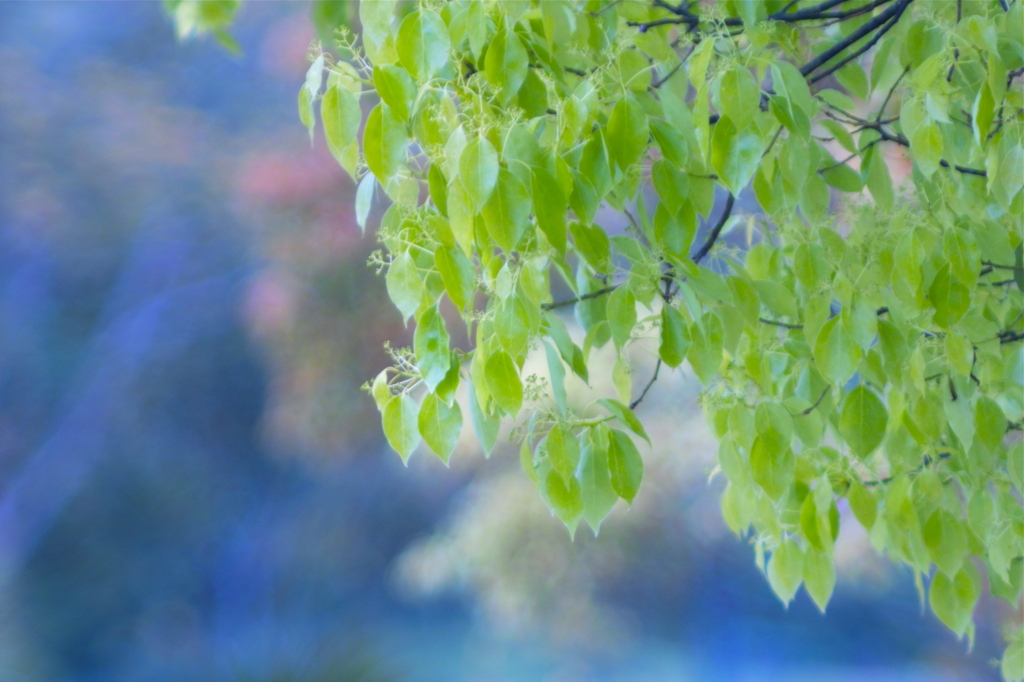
[(877, 22), (569, 301), (716, 230), (643, 394)]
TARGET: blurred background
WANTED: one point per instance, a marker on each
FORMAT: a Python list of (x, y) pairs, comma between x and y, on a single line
[(192, 485)]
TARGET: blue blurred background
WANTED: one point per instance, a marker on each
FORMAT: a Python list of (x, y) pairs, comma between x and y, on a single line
[(192, 486)]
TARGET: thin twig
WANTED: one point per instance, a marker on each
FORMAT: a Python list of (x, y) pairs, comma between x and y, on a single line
[(776, 323), (657, 368), (816, 402), (569, 301), (716, 230), (875, 23)]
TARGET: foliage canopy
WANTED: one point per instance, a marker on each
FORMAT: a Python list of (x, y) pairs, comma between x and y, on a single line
[(865, 343)]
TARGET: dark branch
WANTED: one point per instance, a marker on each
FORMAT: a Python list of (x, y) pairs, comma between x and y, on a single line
[(716, 230), (816, 402), (569, 301), (924, 464), (844, 44), (776, 323), (657, 368)]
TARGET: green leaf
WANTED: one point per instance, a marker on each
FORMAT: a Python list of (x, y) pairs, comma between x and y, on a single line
[(396, 87), (863, 504), (735, 153), (1012, 663), (863, 421), (621, 315), (953, 599), (440, 425), (550, 205), (507, 211), (506, 64), (990, 422), (563, 496), (341, 115), (926, 144), (625, 415), (430, 343), (384, 142), (785, 570), (400, 425), (485, 425), (628, 133), (835, 353), (950, 298), (946, 541), (478, 170), (315, 76), (423, 44), (328, 15), (563, 450), (364, 199), (740, 95), (458, 275), (503, 382), (772, 463), (306, 111), (675, 336), (404, 285), (596, 491), (624, 465), (819, 573), (375, 18)]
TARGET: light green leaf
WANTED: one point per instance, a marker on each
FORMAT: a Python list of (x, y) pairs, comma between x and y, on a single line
[(550, 205), (306, 111), (624, 465), (735, 153), (478, 170), (430, 343), (440, 425), (485, 425), (863, 421), (626, 416), (675, 336), (950, 298), (926, 144), (423, 44), (628, 133), (364, 199), (785, 570), (819, 573), (1012, 664), (507, 211), (621, 315), (740, 95), (563, 450), (396, 87), (835, 353), (953, 599), (772, 463), (341, 115), (400, 425), (946, 541), (458, 275), (563, 496), (598, 495), (506, 64), (503, 382), (384, 142), (404, 285), (863, 503)]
